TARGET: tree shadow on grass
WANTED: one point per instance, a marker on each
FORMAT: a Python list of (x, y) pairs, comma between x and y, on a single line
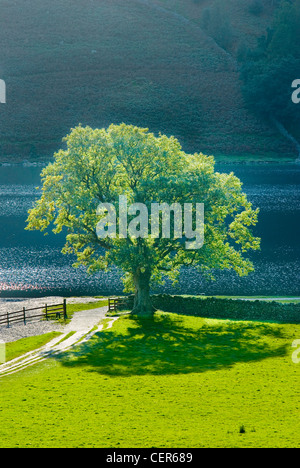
[(166, 345)]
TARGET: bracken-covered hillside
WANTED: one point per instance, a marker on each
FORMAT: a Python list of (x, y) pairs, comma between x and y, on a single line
[(164, 65)]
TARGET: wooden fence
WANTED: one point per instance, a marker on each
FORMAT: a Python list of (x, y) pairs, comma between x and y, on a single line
[(38, 313), (115, 303)]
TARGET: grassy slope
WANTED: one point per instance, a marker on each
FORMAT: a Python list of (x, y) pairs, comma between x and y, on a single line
[(23, 346), (177, 382), (102, 62)]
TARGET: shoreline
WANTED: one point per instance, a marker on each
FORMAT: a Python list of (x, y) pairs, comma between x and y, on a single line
[(229, 161), (242, 159), (45, 299)]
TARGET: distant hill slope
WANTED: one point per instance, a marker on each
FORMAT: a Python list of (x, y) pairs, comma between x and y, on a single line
[(142, 62)]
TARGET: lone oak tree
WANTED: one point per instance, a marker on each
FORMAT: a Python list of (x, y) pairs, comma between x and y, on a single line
[(99, 166)]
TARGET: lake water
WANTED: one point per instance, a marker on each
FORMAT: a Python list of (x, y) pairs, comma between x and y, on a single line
[(32, 264)]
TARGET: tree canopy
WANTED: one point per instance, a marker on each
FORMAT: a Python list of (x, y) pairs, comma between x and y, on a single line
[(100, 165)]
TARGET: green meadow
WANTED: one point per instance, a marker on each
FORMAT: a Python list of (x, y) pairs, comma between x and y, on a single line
[(171, 381), (25, 345)]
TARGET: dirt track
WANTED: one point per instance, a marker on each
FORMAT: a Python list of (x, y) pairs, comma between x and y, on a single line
[(84, 325), (19, 331)]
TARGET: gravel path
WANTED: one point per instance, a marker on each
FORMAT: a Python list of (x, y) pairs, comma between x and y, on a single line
[(18, 331), (84, 325)]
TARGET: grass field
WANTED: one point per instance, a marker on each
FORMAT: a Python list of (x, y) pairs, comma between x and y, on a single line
[(25, 345), (171, 382)]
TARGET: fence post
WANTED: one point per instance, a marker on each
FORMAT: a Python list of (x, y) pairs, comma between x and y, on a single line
[(24, 315), (7, 316), (65, 309), (46, 307)]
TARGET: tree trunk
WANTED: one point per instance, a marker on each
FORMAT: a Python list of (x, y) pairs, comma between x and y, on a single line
[(142, 300)]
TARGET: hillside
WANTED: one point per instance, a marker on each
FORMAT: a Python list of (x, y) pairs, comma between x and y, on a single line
[(143, 62)]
